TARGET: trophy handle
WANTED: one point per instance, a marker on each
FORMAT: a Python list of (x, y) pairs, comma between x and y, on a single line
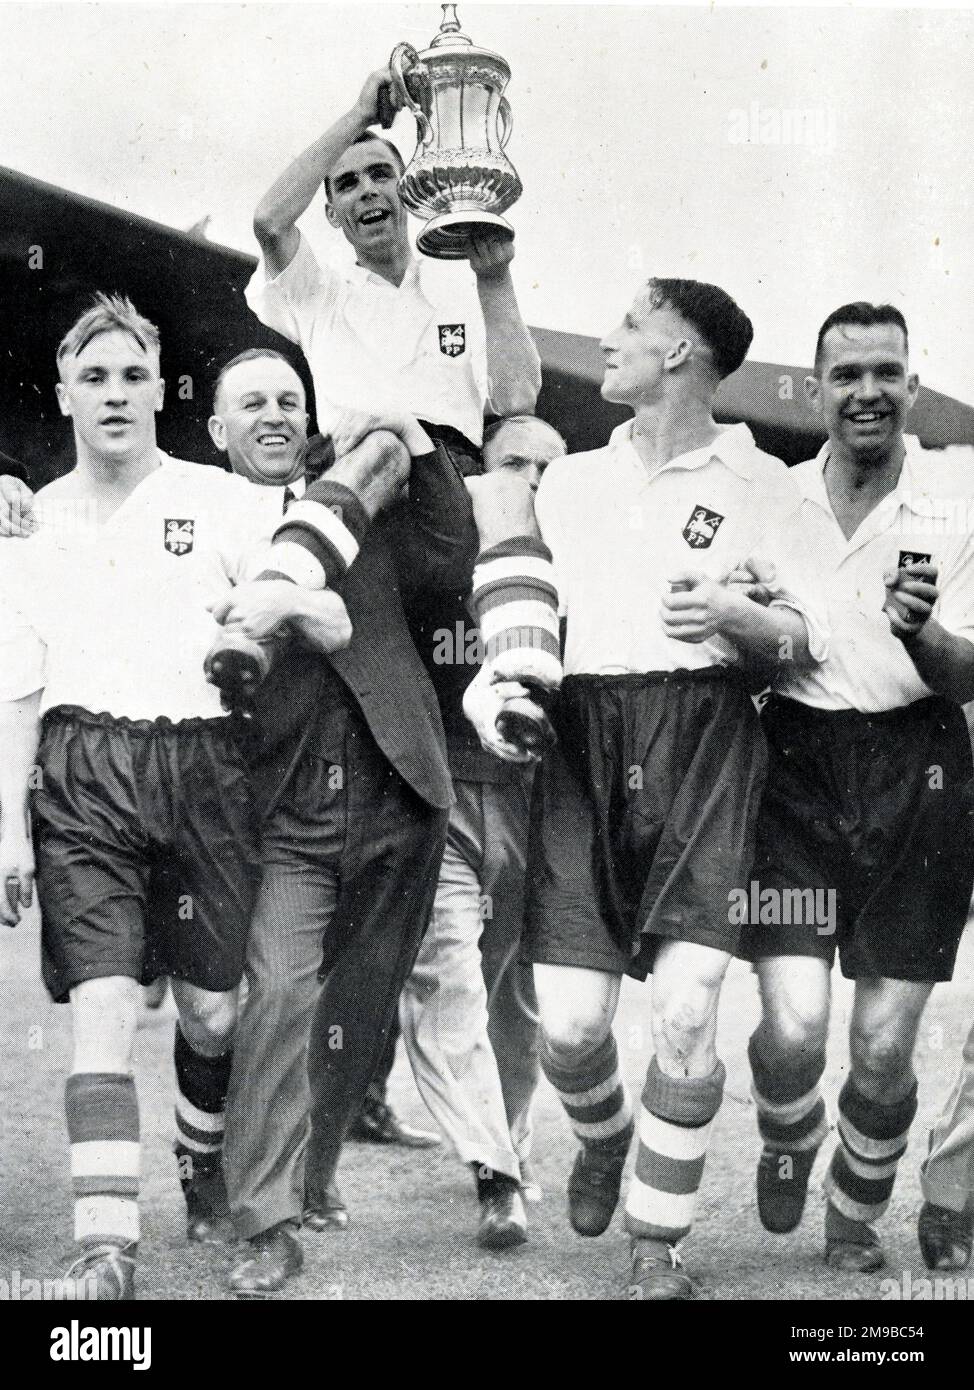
[(404, 54), (507, 121)]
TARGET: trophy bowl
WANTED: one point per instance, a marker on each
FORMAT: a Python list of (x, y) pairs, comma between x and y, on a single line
[(459, 179)]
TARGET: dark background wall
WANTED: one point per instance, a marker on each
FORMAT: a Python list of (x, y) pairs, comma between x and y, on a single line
[(57, 248)]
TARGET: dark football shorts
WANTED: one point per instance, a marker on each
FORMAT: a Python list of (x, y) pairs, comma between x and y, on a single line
[(874, 810), (642, 819), (146, 843)]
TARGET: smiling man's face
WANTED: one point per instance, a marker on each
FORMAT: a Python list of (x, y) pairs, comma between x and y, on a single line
[(364, 200), (863, 387), (260, 421)]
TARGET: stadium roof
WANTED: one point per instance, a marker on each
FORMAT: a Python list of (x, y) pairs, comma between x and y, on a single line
[(193, 289)]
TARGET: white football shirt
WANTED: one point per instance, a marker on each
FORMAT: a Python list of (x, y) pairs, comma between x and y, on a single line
[(928, 516), (419, 348), (112, 617), (619, 534)]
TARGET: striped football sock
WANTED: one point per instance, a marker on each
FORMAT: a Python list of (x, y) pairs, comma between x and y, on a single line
[(201, 1097), (103, 1128), (594, 1096), (791, 1111), (674, 1130), (515, 601), (319, 537), (872, 1140)]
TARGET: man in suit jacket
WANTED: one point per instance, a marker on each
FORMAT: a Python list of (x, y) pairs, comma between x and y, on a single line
[(352, 780)]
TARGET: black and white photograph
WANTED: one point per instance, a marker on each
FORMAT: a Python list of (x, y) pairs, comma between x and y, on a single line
[(487, 662)]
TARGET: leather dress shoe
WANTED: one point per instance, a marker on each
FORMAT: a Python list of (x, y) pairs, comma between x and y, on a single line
[(102, 1274), (657, 1274), (267, 1263), (503, 1221), (376, 1123), (945, 1237), (330, 1215)]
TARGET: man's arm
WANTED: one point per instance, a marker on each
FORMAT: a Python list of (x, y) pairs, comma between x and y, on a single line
[(16, 507), (943, 660), (513, 364), (433, 540), (20, 732), (290, 196), (768, 639), (262, 609)]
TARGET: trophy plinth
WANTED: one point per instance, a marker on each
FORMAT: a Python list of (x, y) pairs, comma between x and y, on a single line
[(459, 179)]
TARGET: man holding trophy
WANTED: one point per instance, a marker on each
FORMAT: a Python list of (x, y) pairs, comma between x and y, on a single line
[(397, 332)]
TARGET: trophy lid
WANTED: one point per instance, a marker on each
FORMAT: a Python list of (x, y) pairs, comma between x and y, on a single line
[(452, 42)]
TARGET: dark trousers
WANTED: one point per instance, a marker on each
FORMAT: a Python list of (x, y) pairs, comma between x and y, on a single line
[(351, 856)]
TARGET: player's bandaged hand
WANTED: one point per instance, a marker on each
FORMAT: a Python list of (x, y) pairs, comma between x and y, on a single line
[(483, 701), (754, 579), (695, 608), (16, 876), (911, 593), (352, 426), (17, 517)]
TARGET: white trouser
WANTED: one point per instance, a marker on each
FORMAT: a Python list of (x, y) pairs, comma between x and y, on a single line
[(468, 1011), (947, 1175)]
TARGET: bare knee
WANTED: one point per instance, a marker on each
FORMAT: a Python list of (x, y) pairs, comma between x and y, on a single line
[(795, 1005), (795, 1028), (576, 1009), (104, 1013), (684, 1021), (207, 1020), (571, 1039), (880, 1059)]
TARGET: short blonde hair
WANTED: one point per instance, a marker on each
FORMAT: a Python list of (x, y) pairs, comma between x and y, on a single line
[(109, 313)]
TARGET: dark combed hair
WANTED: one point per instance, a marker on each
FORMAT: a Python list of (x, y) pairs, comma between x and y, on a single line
[(397, 158), (724, 327), (249, 355), (864, 315)]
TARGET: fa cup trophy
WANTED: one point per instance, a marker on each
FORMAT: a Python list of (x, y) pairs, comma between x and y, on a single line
[(459, 178)]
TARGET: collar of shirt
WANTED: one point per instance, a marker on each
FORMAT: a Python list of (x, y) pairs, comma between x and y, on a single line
[(910, 490), (411, 281), (733, 447)]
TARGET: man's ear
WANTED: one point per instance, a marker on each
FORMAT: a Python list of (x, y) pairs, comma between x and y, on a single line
[(62, 397), (912, 388), (813, 393), (332, 215), (678, 354), (160, 394), (218, 432)]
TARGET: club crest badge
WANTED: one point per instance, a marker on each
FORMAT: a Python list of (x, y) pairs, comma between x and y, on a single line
[(178, 535), (913, 557), (701, 528), (453, 338)]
